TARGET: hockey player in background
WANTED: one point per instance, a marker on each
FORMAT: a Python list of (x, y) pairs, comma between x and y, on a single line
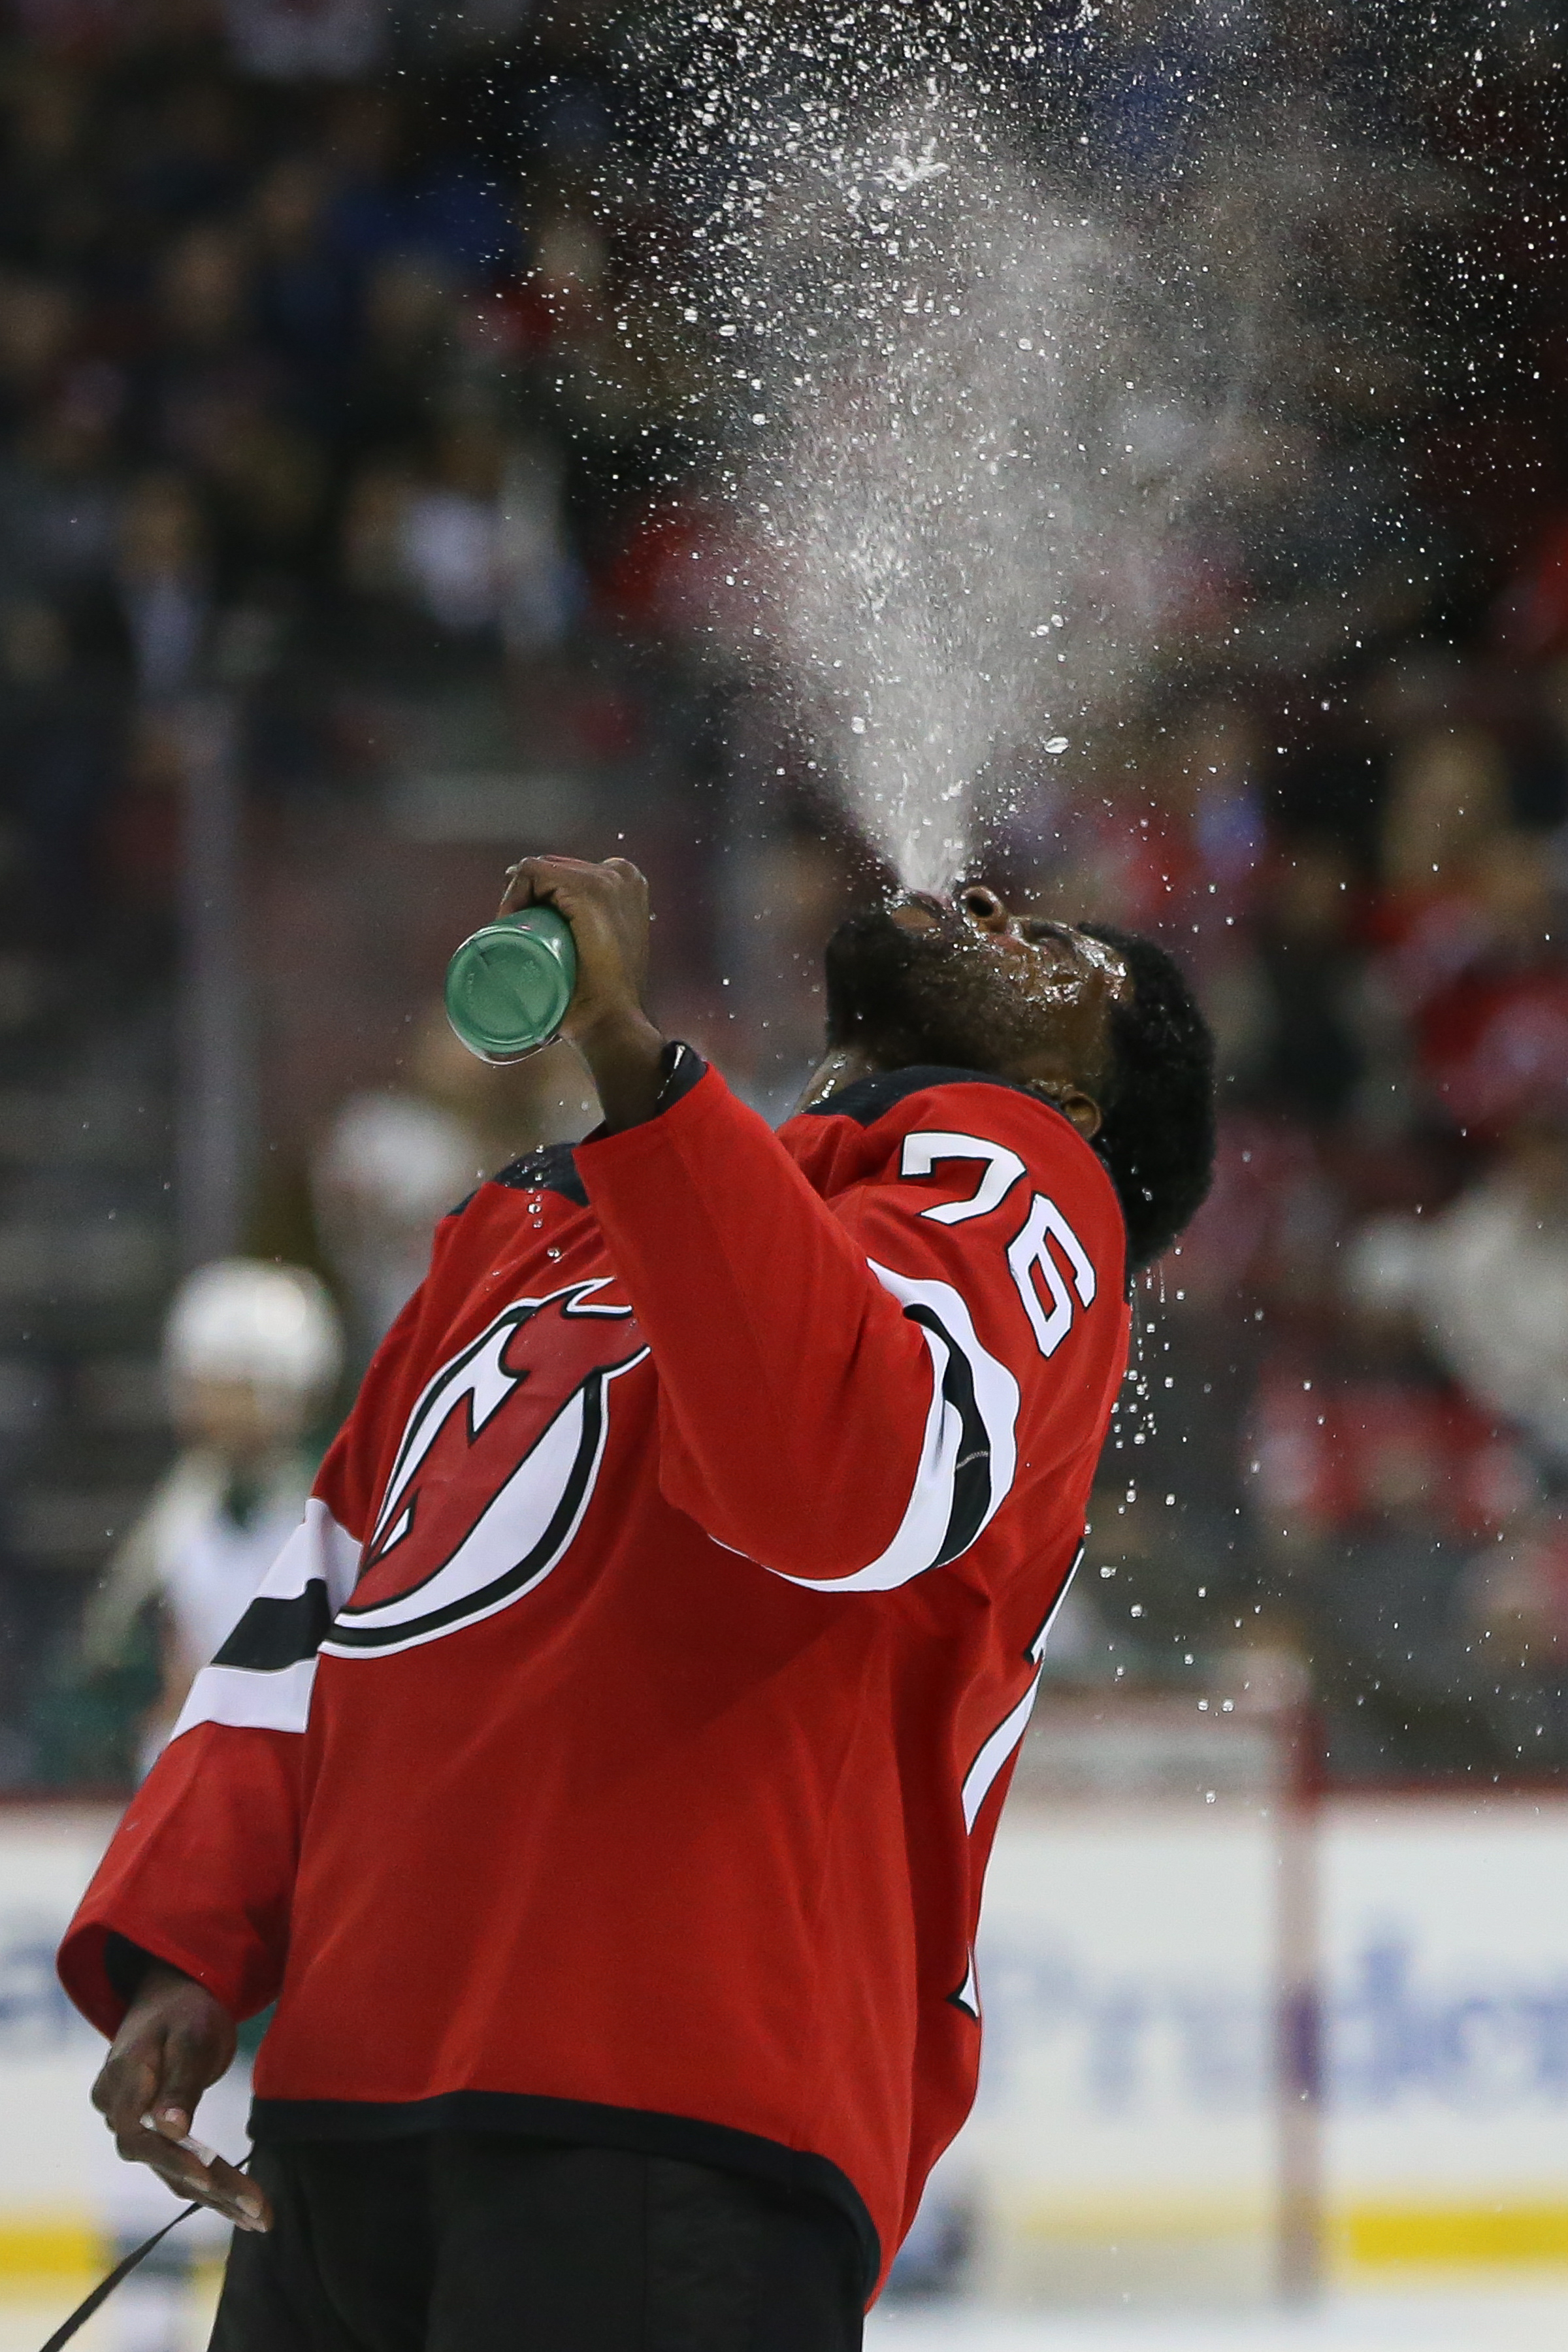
[(603, 1780), (251, 1352)]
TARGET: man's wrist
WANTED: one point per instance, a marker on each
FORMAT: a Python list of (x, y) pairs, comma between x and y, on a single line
[(626, 1060)]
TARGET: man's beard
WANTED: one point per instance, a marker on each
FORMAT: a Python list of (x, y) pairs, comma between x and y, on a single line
[(934, 995)]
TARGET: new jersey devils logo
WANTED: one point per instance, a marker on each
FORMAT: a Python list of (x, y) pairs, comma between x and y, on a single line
[(493, 1475)]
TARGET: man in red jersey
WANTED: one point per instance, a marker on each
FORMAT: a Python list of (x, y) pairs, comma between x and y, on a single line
[(601, 1782)]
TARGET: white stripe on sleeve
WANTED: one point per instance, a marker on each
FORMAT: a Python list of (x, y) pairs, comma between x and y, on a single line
[(280, 1701), (969, 1452), (318, 1550), (982, 1773), (264, 1674), (981, 1776)]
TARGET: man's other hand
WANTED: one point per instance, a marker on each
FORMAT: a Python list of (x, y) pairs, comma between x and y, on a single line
[(607, 909), (176, 2040)]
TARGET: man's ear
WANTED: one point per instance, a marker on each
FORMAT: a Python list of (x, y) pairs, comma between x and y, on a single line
[(1073, 1103)]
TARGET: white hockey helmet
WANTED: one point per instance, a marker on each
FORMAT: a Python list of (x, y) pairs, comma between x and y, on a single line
[(245, 1318)]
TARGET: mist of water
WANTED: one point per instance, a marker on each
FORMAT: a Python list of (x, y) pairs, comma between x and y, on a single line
[(972, 403), (949, 540)]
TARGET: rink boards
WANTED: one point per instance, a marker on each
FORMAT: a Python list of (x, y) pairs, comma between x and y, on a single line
[(1148, 2111), (1127, 2141)]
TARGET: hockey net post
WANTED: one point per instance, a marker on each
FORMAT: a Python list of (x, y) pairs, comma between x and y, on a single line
[(1300, 2052)]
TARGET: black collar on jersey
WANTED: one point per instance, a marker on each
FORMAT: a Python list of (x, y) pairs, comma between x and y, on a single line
[(865, 1100), (553, 1169)]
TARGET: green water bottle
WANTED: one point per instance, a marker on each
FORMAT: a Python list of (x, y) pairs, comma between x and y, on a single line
[(509, 986)]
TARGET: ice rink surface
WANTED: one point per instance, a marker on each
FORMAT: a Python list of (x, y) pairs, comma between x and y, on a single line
[(1455, 2320)]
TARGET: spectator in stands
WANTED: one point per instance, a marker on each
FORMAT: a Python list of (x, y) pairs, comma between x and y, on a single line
[(391, 1163), (330, 37), (330, 317), (387, 1167), (164, 585), (1492, 1040), (59, 742), (1305, 1051), (1447, 801), (1512, 1622), (1490, 1282), (1372, 1474)]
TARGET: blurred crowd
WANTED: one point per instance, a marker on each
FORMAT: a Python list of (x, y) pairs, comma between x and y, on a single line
[(337, 381), (283, 408), (1344, 1436)]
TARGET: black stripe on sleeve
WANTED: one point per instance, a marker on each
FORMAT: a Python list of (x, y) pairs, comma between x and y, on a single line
[(683, 1067), (124, 1963), (972, 1472), (276, 1633)]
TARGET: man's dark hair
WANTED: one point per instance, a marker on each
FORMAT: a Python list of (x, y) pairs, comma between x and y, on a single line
[(1157, 1127)]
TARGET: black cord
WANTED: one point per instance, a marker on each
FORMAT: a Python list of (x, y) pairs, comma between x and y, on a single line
[(105, 2287), (120, 2274)]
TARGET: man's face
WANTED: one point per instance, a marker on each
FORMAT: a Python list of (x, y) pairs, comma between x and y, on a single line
[(963, 981)]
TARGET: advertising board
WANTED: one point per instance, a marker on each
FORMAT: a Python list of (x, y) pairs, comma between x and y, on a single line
[(1138, 2135), (1139, 2128)]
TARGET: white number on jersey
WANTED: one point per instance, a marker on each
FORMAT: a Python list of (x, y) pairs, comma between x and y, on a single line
[(1034, 1266), (1029, 1256), (923, 1151)]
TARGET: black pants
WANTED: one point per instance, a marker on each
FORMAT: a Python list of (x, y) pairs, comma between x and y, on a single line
[(465, 2242)]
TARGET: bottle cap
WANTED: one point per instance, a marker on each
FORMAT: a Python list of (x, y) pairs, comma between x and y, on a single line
[(509, 986)]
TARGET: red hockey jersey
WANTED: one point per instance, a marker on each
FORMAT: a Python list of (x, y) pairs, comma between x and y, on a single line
[(615, 1752)]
